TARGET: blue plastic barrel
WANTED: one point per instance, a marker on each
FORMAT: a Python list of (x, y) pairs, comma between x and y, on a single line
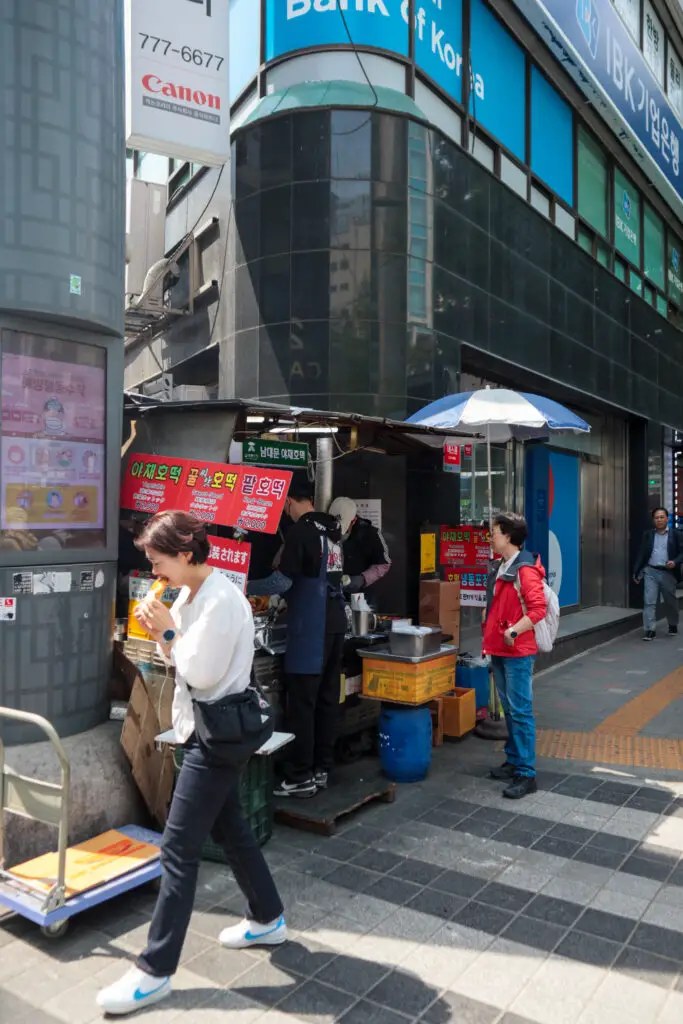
[(405, 743), (472, 677)]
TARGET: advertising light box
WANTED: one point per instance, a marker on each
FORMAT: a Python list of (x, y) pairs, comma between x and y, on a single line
[(177, 78)]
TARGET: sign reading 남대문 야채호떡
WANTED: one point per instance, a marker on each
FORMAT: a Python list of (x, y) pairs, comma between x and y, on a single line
[(246, 497), (177, 83)]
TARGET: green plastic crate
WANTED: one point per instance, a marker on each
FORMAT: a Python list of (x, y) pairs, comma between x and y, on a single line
[(256, 791)]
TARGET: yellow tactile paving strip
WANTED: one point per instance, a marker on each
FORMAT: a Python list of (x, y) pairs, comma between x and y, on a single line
[(631, 751), (616, 739)]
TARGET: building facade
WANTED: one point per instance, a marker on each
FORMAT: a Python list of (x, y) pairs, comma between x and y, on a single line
[(430, 195)]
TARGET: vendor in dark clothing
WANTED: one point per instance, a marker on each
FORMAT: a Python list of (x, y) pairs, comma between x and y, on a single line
[(309, 574), (366, 556)]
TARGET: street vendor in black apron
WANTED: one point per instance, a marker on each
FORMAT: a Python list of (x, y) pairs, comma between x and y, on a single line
[(310, 572)]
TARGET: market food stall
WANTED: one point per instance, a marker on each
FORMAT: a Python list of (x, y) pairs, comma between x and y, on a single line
[(230, 462)]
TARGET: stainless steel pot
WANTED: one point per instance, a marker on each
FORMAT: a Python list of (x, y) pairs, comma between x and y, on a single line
[(363, 623)]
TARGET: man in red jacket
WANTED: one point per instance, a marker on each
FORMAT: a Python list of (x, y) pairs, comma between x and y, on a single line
[(510, 640)]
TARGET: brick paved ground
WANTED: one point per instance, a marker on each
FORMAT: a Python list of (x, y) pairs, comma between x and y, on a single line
[(450, 905)]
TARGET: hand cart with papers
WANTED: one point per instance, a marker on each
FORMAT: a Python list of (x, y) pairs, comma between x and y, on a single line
[(53, 888)]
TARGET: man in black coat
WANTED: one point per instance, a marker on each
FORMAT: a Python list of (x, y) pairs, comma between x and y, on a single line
[(658, 565)]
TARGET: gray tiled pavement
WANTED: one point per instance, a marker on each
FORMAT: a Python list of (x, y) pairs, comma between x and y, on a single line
[(450, 905)]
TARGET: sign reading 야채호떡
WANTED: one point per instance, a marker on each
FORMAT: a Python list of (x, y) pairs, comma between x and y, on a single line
[(247, 497), (177, 82), (261, 451), (594, 45)]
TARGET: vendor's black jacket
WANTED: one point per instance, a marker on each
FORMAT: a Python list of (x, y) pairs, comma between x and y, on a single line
[(302, 554), (364, 547), (675, 550)]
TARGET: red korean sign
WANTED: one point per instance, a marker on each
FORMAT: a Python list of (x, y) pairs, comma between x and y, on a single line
[(463, 545), (246, 497), (231, 557), (451, 457), (472, 584)]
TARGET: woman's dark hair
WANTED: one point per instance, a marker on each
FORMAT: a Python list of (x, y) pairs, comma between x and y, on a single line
[(171, 533), (513, 526)]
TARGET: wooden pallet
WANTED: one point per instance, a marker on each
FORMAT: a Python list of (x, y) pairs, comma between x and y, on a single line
[(352, 787)]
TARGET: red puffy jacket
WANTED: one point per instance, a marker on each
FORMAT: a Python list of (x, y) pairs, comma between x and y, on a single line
[(505, 607)]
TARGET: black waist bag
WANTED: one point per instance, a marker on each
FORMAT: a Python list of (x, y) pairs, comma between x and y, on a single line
[(232, 729)]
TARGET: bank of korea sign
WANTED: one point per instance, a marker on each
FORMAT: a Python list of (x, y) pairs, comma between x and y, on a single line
[(177, 101), (594, 46)]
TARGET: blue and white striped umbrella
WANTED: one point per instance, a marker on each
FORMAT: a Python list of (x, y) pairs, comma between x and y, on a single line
[(501, 414)]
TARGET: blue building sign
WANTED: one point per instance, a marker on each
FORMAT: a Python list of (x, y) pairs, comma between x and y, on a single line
[(438, 44), (299, 24), (497, 98), (594, 46)]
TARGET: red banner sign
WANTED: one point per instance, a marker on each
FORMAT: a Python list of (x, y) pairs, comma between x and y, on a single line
[(241, 496), (231, 557), (451, 457), (472, 584), (464, 545)]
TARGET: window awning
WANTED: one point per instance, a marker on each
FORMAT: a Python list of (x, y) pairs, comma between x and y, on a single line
[(335, 93)]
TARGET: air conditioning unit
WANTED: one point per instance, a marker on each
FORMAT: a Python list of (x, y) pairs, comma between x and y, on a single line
[(161, 388), (194, 393), (145, 239)]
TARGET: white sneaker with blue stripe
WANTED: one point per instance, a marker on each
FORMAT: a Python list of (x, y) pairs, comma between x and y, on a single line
[(133, 992), (250, 933)]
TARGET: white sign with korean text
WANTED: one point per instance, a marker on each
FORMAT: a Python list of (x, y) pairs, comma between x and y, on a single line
[(654, 43), (177, 100), (370, 508), (674, 81), (630, 15)]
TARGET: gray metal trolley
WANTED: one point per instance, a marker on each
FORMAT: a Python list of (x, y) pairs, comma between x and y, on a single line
[(48, 802)]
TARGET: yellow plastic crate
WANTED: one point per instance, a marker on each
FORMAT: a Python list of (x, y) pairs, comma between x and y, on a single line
[(409, 682)]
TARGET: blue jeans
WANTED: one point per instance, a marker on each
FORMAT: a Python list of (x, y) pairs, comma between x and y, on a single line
[(664, 582), (513, 678)]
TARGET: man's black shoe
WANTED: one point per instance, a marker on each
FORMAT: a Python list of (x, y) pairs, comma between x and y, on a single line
[(506, 771), (673, 630), (649, 634), (520, 786)]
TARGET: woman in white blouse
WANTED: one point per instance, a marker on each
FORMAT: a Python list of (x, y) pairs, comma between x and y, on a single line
[(208, 636)]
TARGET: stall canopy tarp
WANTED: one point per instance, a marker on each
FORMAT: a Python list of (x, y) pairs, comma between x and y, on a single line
[(224, 418)]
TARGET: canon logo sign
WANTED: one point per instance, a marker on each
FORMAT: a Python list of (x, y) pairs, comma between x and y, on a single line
[(154, 84)]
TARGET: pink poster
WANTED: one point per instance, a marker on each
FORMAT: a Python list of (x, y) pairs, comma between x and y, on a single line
[(53, 433), (46, 398)]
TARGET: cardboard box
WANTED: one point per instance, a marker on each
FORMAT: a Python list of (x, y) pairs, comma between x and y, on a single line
[(440, 606), (149, 713), (459, 712), (408, 682)]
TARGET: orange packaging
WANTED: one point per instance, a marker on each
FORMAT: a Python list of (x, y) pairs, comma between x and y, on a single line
[(93, 863), (139, 589)]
